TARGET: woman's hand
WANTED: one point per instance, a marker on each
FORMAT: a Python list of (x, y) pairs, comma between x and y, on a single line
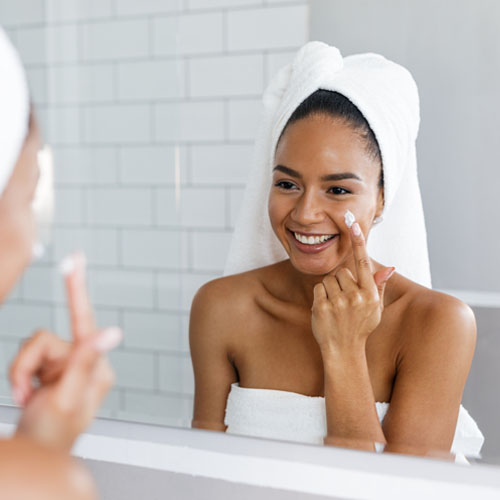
[(73, 378), (346, 310)]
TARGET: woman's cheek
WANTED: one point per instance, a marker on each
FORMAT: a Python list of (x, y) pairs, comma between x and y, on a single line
[(277, 212), (17, 236), (27, 237)]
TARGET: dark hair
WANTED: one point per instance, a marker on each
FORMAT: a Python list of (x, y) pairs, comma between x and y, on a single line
[(327, 102)]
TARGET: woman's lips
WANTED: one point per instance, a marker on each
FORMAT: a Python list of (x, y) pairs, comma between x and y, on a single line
[(311, 248)]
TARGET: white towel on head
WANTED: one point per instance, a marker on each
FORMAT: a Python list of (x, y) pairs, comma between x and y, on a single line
[(14, 108), (387, 96)]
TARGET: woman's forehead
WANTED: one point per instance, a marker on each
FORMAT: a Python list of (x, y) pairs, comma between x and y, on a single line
[(322, 145)]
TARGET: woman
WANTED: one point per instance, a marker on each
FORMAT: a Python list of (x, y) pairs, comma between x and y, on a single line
[(319, 337), (73, 377)]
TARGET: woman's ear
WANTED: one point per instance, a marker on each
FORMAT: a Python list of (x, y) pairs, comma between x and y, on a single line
[(380, 202)]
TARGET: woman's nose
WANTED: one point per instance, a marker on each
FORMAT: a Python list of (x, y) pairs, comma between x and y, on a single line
[(308, 210)]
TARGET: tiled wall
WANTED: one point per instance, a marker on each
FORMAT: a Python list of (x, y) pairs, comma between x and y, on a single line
[(151, 107)]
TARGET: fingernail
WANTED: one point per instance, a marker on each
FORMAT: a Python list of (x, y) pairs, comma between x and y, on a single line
[(356, 229), (391, 273), (80, 259), (67, 265), (72, 262), (38, 250), (108, 339)]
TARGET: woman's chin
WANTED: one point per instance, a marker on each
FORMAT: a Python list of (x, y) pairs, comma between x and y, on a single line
[(307, 265)]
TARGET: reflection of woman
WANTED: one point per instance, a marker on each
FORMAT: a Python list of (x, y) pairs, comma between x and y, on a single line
[(72, 378), (313, 347)]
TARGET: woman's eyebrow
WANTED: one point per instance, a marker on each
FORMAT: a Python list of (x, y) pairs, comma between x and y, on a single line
[(330, 177)]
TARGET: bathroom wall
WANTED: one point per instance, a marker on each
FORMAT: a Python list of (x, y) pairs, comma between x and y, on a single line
[(453, 50), (480, 396), (151, 108)]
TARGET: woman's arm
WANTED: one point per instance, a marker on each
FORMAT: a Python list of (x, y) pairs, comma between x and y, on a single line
[(432, 367), (209, 329), (431, 373), (29, 471), (351, 414), (345, 312), (72, 379)]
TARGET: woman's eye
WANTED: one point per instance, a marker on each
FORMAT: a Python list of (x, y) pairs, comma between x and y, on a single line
[(339, 190), (284, 185)]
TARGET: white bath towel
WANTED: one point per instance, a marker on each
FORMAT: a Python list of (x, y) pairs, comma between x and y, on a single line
[(290, 416), (387, 96), (14, 108), (14, 121)]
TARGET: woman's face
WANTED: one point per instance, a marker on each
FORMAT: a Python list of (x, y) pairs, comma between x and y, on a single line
[(17, 225), (321, 169)]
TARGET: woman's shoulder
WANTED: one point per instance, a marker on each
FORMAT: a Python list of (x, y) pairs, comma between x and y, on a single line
[(226, 310), (436, 315), (230, 297)]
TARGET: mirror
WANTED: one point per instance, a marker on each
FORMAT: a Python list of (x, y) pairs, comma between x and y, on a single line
[(152, 110), (452, 52)]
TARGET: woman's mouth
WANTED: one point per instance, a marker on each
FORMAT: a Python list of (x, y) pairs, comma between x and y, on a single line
[(312, 243)]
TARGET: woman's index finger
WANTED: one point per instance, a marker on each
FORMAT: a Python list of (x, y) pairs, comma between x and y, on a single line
[(361, 257), (80, 309)]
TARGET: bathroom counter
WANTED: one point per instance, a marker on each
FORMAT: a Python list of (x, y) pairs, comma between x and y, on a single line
[(282, 470)]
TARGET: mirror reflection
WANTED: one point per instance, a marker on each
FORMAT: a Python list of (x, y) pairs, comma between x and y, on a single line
[(332, 345), (252, 213)]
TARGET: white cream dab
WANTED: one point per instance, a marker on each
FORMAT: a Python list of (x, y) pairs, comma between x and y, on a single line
[(67, 266), (349, 218)]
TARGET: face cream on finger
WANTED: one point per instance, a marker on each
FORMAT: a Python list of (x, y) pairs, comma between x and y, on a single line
[(349, 218)]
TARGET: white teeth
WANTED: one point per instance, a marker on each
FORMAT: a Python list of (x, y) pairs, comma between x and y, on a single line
[(312, 240)]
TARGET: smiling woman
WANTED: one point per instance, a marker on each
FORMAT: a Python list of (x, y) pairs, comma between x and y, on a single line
[(325, 134), (321, 342)]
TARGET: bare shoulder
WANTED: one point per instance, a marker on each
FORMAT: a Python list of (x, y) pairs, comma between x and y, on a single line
[(227, 297), (437, 319), (222, 303)]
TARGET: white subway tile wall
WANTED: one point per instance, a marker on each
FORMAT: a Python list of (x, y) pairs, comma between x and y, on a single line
[(76, 10), (151, 108), (116, 39), (187, 34)]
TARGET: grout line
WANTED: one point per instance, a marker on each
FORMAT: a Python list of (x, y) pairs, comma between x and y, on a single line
[(154, 207), (151, 37), (189, 165), (152, 122), (227, 207), (227, 119), (156, 371), (190, 250), (265, 66), (114, 16), (119, 246), (187, 76), (158, 58), (156, 292), (225, 32), (218, 99)]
